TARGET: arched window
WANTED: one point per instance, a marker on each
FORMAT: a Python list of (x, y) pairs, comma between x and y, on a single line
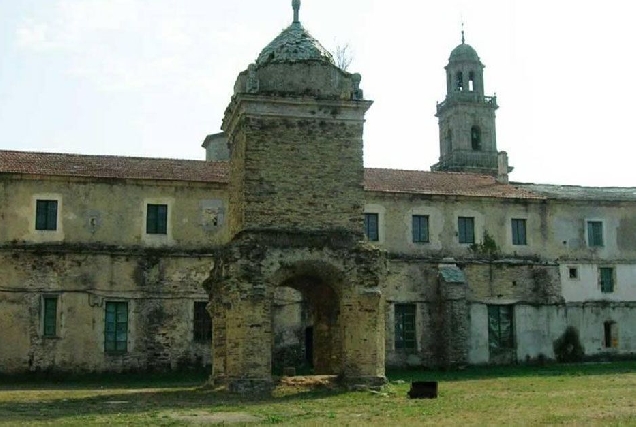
[(475, 138), (471, 81), (459, 81), (449, 140)]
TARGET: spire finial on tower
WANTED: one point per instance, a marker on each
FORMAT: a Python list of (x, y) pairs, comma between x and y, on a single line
[(296, 6), (463, 39)]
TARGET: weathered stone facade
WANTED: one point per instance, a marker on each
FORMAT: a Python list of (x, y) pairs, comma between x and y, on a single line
[(301, 256)]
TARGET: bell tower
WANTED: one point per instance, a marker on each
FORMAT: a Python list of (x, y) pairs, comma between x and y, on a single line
[(467, 132)]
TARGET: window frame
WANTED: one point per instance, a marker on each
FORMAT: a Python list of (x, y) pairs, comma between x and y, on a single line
[(201, 324), (49, 319), (405, 326), (416, 231), (574, 276), (595, 233), (116, 345), (519, 229), (156, 221), (607, 274), (46, 214), (462, 231), (610, 335), (476, 138), (368, 226), (508, 343)]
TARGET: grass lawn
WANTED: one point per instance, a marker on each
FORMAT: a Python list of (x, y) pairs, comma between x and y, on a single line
[(557, 394)]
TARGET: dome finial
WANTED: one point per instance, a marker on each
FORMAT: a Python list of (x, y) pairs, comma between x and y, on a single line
[(463, 39), (296, 6)]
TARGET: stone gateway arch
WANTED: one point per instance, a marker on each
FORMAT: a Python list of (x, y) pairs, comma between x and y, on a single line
[(296, 200)]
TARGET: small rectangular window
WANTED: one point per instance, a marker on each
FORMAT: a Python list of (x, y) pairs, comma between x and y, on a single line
[(466, 229), (116, 327), (46, 215), (49, 316), (573, 273), (202, 322), (518, 231), (405, 326), (595, 233), (371, 226), (157, 219), (420, 229), (606, 279)]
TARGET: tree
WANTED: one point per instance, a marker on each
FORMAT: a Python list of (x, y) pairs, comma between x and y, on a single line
[(343, 55)]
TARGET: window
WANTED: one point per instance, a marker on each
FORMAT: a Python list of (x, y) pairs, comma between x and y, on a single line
[(610, 334), (471, 81), (466, 229), (202, 322), (459, 81), (606, 279), (518, 231), (573, 273), (116, 327), (49, 316), (420, 229), (475, 138), (595, 233), (405, 326), (157, 219), (371, 226), (46, 215), (500, 330)]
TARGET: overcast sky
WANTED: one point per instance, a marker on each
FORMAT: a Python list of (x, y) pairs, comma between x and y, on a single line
[(153, 77)]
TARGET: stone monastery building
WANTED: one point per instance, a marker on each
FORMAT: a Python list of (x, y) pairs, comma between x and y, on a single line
[(282, 250)]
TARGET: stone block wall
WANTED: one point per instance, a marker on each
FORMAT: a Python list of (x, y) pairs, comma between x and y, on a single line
[(297, 173), (159, 289)]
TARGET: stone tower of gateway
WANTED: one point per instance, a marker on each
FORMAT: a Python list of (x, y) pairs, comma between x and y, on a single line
[(294, 127)]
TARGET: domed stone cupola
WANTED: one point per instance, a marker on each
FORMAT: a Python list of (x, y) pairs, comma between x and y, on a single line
[(467, 132), (296, 63), (294, 44)]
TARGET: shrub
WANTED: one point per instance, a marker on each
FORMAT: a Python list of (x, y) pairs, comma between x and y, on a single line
[(568, 347)]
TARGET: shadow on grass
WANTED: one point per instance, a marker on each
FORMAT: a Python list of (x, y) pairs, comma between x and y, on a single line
[(137, 401), (488, 372)]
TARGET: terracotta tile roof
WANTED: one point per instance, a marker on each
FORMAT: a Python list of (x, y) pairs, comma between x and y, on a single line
[(59, 164), (441, 183), (380, 180)]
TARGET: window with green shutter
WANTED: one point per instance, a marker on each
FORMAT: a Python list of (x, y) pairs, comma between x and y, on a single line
[(606, 278), (49, 316), (46, 215), (466, 229), (420, 229), (518, 231), (371, 226), (500, 328), (405, 327), (157, 219), (595, 233), (116, 327)]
